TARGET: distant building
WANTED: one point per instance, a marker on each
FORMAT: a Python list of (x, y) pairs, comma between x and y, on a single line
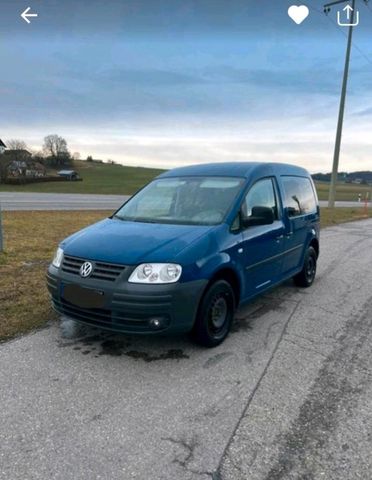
[(18, 161), (2, 147), (35, 169), (18, 155), (69, 174), (17, 168)]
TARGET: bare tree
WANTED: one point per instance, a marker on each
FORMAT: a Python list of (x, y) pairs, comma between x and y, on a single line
[(55, 147), (16, 152), (39, 157), (15, 144)]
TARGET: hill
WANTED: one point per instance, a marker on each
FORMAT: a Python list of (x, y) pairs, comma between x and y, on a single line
[(363, 177), (98, 178)]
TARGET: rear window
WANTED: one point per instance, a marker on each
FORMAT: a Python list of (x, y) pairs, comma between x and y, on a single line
[(299, 196)]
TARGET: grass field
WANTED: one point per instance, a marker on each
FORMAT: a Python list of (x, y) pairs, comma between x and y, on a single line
[(103, 178), (345, 191), (98, 178), (30, 241)]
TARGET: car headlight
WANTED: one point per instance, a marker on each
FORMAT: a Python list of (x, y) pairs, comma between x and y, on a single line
[(156, 273), (57, 260)]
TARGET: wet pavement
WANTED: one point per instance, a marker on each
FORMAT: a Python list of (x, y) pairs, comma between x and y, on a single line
[(287, 396)]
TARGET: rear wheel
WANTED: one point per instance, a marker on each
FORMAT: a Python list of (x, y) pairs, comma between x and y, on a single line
[(307, 275), (215, 315)]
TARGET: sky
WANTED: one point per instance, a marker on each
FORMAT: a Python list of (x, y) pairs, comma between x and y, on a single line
[(165, 83)]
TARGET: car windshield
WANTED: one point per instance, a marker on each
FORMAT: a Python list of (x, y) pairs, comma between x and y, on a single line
[(183, 200)]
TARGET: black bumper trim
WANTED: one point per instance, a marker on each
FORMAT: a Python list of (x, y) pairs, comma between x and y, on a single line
[(130, 307)]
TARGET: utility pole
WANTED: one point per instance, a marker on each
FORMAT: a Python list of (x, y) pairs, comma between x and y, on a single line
[(336, 156), (350, 9)]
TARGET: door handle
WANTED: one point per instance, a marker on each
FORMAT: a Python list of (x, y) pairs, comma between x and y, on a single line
[(288, 235), (279, 237)]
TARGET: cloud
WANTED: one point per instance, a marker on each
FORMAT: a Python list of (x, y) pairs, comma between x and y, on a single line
[(149, 78), (366, 112), (175, 82)]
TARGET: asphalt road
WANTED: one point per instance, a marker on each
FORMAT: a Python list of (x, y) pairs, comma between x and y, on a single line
[(287, 396), (60, 201), (67, 201)]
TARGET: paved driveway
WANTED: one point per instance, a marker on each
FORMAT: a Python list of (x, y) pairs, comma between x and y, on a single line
[(287, 396)]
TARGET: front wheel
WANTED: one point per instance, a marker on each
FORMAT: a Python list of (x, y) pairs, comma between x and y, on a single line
[(307, 275), (215, 315)]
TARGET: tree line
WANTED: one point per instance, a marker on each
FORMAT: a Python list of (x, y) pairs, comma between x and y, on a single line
[(54, 153)]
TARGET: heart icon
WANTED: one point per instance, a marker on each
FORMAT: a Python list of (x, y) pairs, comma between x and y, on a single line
[(298, 13)]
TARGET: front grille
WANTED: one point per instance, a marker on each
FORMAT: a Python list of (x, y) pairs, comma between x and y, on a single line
[(51, 283), (101, 271), (99, 317)]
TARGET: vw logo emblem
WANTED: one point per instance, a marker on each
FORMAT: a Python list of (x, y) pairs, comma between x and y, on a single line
[(86, 269)]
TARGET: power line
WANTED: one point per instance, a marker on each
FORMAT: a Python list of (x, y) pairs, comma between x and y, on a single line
[(342, 32), (340, 121), (350, 44)]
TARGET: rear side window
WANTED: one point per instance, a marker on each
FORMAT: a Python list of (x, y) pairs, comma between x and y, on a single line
[(299, 196)]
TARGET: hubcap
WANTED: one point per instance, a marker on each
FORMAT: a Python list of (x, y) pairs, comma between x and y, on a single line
[(310, 270), (218, 312)]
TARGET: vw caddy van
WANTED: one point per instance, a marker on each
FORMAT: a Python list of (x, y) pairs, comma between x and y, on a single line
[(190, 247)]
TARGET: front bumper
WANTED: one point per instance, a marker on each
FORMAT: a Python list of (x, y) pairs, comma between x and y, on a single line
[(130, 307)]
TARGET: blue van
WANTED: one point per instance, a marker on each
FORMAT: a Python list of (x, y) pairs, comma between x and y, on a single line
[(188, 249)]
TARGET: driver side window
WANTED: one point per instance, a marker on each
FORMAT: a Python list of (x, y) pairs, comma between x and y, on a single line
[(262, 194)]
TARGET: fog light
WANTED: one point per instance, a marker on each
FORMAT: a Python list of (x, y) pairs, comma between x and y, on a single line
[(157, 322)]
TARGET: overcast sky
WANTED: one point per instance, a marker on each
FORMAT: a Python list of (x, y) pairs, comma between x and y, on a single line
[(174, 82)]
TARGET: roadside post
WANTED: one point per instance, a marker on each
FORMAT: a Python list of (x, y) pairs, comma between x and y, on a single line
[(1, 232), (366, 201)]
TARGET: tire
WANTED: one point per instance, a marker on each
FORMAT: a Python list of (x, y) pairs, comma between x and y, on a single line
[(306, 277), (215, 315)]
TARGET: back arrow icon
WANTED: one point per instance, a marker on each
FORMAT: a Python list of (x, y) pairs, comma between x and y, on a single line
[(25, 15)]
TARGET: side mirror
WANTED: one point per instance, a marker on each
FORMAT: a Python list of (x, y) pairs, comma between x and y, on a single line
[(260, 216)]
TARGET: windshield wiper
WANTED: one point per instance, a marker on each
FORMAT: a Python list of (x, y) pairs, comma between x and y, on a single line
[(118, 217), (134, 219)]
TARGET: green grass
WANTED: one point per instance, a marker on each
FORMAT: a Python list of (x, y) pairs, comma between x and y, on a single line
[(31, 239), (345, 191), (97, 178)]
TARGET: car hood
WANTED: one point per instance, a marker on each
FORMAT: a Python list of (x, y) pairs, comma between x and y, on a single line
[(130, 243)]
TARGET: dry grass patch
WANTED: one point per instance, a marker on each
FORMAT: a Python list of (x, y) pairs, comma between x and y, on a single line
[(329, 217), (30, 241)]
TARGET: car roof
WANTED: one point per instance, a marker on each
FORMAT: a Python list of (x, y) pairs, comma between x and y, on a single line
[(236, 169)]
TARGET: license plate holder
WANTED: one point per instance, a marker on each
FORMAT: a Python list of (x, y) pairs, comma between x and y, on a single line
[(83, 297)]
